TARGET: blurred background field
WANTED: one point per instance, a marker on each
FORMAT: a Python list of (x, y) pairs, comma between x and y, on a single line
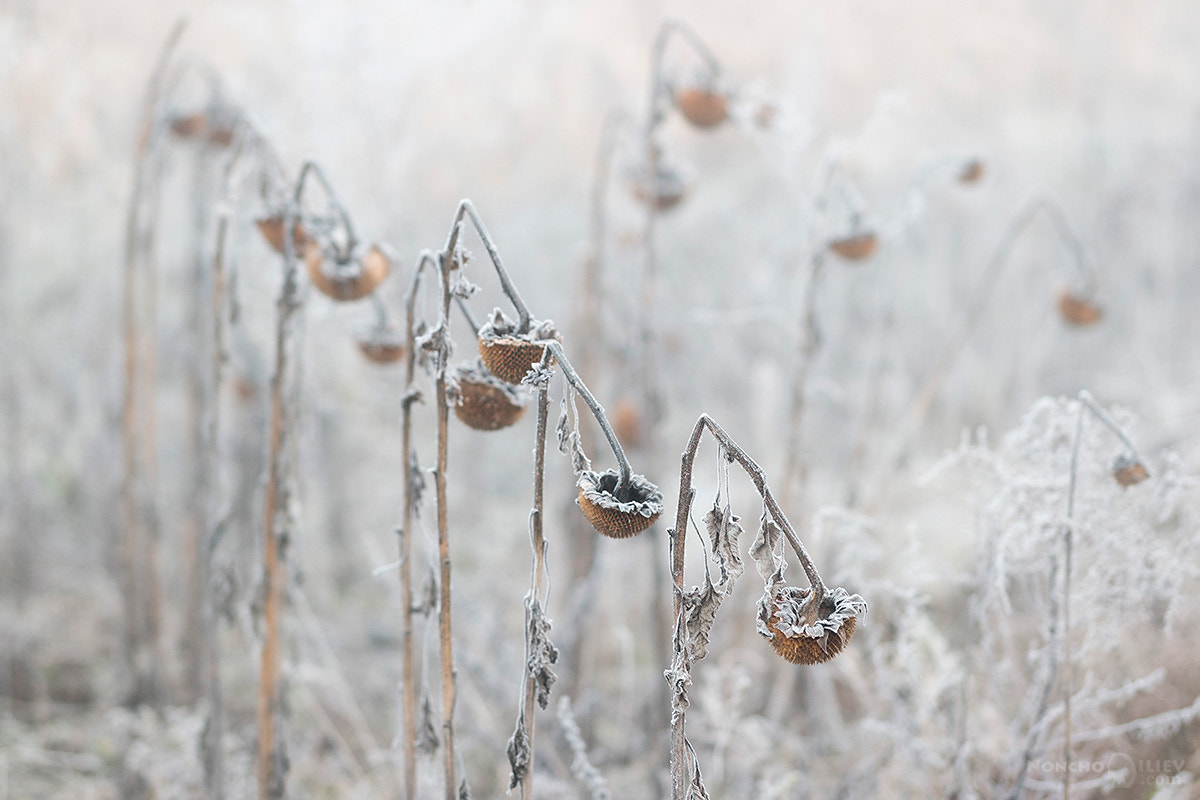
[(411, 106)]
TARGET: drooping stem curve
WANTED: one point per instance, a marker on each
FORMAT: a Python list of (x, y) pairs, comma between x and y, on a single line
[(554, 350)]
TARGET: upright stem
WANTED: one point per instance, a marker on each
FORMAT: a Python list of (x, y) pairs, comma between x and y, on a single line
[(795, 470), (408, 688), (449, 680), (1066, 601), (213, 754), (137, 589), (529, 690), (271, 762)]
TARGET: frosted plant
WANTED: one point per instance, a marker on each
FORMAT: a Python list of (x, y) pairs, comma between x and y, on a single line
[(1077, 559)]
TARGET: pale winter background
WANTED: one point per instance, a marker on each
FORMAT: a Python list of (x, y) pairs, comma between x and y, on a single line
[(921, 444)]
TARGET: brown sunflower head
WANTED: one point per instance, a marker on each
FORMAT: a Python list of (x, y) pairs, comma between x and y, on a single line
[(1129, 471), (509, 354), (1078, 310), (618, 513), (663, 187), (352, 279), (481, 401), (858, 246), (382, 345), (971, 171), (271, 229), (804, 631), (702, 105)]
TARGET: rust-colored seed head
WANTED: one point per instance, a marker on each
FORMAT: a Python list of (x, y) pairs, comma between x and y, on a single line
[(1078, 310), (510, 357), (704, 108), (1128, 472), (971, 171), (665, 190), (618, 517), (855, 247), (486, 406), (347, 282), (202, 127), (382, 346), (806, 650), (272, 230)]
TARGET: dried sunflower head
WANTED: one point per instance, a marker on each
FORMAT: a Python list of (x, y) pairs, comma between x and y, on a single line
[(701, 104), (481, 401), (352, 279), (1128, 471), (1077, 309), (618, 514), (803, 630), (509, 355)]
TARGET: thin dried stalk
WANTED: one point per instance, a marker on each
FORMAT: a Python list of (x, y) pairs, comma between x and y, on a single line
[(923, 400), (447, 264), (138, 593), (411, 396), (530, 689)]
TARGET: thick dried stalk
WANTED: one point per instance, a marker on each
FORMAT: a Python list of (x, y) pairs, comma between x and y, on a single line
[(271, 761), (447, 263)]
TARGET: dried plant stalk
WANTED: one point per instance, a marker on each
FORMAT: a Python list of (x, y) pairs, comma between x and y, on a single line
[(271, 759), (411, 396), (689, 645), (139, 592)]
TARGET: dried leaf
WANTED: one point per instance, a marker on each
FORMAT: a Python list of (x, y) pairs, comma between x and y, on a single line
[(462, 288), (542, 653), (724, 531), (767, 551), (427, 738), (518, 753)]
